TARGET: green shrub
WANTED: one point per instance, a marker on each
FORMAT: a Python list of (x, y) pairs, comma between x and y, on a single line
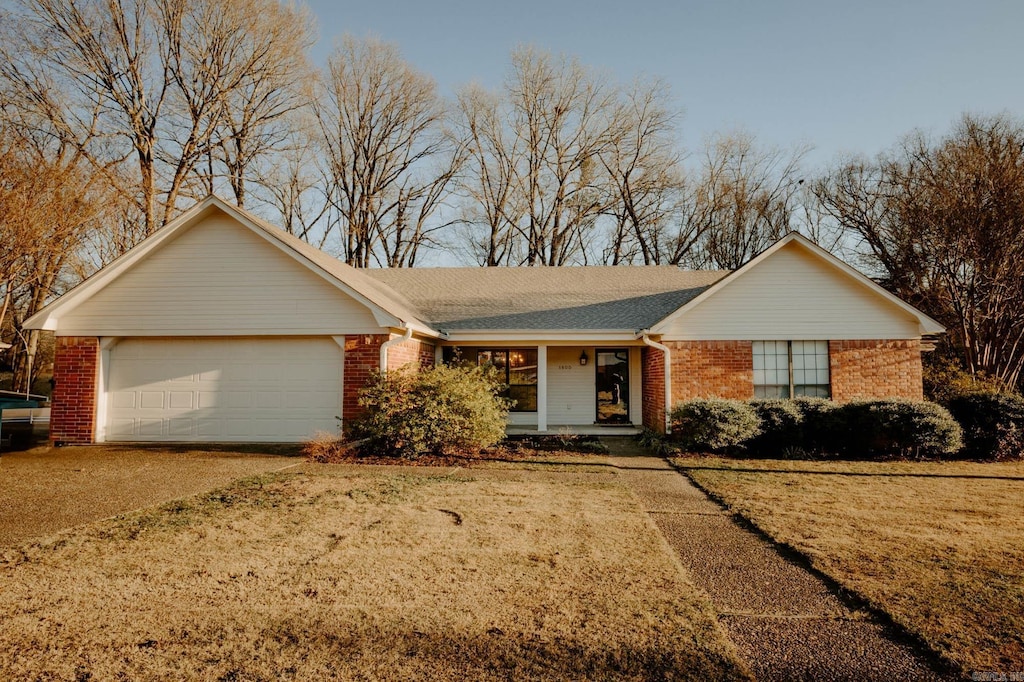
[(898, 428), (437, 410), (945, 379), (714, 424), (781, 422), (822, 430), (993, 424)]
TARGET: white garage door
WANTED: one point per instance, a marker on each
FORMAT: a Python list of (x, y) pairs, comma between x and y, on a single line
[(258, 390)]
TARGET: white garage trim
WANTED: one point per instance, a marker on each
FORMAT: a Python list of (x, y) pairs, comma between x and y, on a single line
[(220, 389)]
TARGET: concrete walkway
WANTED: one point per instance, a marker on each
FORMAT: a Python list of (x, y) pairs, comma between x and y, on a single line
[(785, 621)]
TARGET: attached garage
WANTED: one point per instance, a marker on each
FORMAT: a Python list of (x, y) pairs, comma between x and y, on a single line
[(219, 328), (222, 389)]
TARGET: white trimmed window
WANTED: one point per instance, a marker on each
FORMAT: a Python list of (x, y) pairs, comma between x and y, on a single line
[(785, 369)]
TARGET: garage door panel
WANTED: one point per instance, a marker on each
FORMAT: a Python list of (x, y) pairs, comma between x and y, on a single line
[(223, 389), (180, 400)]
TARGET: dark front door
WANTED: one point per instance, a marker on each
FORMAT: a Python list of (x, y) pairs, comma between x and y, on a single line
[(613, 386)]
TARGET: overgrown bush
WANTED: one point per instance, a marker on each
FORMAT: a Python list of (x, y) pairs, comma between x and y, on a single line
[(714, 424), (993, 424), (945, 379), (438, 410), (781, 422), (898, 428)]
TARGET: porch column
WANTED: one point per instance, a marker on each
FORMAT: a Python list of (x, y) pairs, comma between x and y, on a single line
[(542, 388)]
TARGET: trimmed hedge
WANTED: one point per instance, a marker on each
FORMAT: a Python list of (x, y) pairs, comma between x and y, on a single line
[(822, 430), (781, 427), (436, 410), (714, 424), (819, 427), (898, 428), (993, 424)]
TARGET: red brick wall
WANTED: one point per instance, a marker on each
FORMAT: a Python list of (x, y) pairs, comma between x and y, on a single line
[(411, 351), (652, 363), (875, 369), (362, 359), (73, 407), (712, 369)]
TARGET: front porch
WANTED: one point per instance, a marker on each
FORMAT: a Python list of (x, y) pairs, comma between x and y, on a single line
[(584, 389)]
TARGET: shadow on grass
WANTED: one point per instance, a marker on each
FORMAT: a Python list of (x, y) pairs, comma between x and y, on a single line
[(277, 449), (371, 649), (879, 474)]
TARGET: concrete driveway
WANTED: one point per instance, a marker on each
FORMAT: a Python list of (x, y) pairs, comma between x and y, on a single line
[(45, 490)]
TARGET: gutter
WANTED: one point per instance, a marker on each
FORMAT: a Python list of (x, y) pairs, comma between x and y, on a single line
[(391, 342), (643, 334)]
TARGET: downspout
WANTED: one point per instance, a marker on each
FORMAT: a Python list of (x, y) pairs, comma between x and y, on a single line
[(391, 342), (668, 376)]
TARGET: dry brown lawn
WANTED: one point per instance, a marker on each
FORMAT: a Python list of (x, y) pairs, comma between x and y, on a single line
[(358, 572), (938, 546)]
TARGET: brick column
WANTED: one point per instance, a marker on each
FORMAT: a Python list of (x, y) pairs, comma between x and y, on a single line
[(73, 409), (652, 363), (362, 359)]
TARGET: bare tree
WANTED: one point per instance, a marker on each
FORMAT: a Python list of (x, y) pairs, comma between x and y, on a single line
[(536, 185), (943, 223), (560, 119), (390, 163), (154, 81), (743, 201), (50, 199), (275, 81), (490, 182), (642, 162)]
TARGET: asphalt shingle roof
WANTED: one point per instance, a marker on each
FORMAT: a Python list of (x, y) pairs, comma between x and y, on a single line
[(546, 298)]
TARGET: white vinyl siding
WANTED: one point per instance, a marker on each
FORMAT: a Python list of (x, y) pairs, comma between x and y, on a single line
[(784, 369), (571, 387), (238, 389), (218, 278), (794, 295)]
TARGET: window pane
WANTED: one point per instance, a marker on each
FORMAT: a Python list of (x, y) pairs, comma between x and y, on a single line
[(523, 367), (525, 397)]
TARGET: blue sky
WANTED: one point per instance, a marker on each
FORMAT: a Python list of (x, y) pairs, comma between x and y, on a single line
[(845, 77)]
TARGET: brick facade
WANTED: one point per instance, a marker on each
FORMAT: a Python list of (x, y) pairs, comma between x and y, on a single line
[(652, 363), (700, 369), (724, 369), (411, 351), (73, 411), (706, 369), (875, 369), (362, 359)]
